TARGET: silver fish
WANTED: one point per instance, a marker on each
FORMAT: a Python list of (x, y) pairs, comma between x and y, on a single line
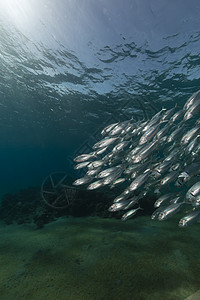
[(189, 219), (121, 197), (130, 214), (100, 151), (83, 180), (177, 116), (155, 119), (132, 168), (173, 154), (128, 129), (175, 134), (95, 164), (95, 185), (117, 181), (84, 157), (161, 133), (170, 177), (163, 199), (108, 128), (193, 110), (156, 213), (140, 180), (118, 128), (111, 178), (162, 168), (139, 168), (93, 172), (134, 151), (188, 172), (118, 206), (131, 203), (193, 192), (104, 143), (169, 211), (145, 152), (149, 134), (108, 171), (81, 165), (191, 145), (191, 100), (190, 134), (168, 114), (120, 146)]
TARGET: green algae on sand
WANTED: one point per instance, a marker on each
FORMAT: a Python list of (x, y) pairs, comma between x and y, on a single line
[(93, 258)]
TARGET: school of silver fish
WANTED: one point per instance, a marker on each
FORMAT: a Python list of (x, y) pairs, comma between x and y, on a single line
[(160, 155)]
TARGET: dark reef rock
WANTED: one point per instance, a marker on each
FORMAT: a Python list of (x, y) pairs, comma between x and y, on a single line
[(20, 207), (27, 206)]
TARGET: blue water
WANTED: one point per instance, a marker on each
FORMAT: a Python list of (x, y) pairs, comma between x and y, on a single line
[(24, 167)]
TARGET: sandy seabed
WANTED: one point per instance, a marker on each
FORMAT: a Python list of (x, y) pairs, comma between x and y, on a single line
[(100, 259)]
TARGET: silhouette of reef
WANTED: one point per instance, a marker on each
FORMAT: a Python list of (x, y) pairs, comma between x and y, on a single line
[(27, 206)]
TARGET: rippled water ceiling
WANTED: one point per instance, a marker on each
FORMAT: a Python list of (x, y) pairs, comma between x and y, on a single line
[(68, 63)]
